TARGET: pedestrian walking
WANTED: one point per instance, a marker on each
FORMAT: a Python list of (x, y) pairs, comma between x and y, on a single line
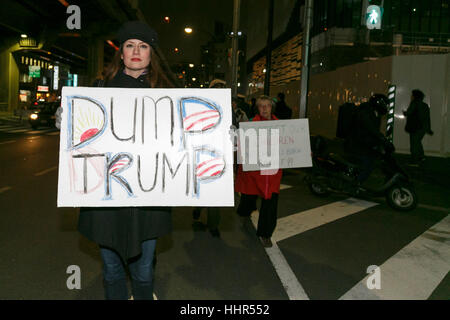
[(253, 109), (282, 111), (239, 115), (127, 235), (254, 184), (418, 124)]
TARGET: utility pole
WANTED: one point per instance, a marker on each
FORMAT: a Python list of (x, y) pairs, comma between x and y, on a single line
[(269, 50), (234, 48), (308, 17)]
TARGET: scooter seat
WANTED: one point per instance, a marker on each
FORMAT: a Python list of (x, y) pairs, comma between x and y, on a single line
[(340, 159)]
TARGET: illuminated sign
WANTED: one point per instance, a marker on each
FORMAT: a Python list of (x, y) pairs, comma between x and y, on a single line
[(373, 17), (34, 71), (42, 88), (55, 77)]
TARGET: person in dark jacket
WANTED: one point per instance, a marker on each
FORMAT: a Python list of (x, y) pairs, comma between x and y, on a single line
[(127, 235), (366, 139), (282, 111), (418, 124)]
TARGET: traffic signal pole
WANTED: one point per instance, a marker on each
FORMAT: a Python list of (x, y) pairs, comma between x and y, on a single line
[(308, 17), (234, 48), (269, 50)]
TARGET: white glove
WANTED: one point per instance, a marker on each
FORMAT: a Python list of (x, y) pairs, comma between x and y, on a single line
[(58, 117)]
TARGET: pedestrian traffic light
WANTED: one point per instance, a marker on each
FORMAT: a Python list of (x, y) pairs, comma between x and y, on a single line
[(374, 14)]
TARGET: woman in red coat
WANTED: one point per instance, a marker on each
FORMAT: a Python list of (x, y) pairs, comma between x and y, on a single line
[(252, 184)]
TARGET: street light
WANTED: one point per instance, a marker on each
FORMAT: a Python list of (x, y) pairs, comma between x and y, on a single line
[(188, 30)]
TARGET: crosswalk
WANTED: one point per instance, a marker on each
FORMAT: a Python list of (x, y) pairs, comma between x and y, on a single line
[(26, 129), (412, 273)]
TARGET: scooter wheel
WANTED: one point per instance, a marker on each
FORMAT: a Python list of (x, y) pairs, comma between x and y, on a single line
[(318, 189), (402, 197)]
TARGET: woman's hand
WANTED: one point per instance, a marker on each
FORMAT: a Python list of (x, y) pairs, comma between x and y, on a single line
[(58, 117)]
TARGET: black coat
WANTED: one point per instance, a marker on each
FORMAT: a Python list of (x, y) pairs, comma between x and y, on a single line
[(418, 117), (124, 228), (366, 135), (282, 111)]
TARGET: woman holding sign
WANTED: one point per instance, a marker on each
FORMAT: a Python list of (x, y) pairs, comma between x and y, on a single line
[(127, 236), (252, 184)]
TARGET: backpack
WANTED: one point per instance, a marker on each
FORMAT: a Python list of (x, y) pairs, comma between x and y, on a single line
[(346, 119)]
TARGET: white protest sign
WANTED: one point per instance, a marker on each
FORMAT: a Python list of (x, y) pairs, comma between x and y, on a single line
[(145, 147), (275, 144)]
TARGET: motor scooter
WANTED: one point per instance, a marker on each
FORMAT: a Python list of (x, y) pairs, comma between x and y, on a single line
[(332, 173)]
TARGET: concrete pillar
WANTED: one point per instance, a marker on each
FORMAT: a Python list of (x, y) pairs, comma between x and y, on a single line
[(13, 101), (95, 60), (9, 80)]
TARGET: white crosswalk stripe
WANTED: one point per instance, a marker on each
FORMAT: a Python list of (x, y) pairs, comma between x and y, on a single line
[(27, 130), (412, 273), (301, 222)]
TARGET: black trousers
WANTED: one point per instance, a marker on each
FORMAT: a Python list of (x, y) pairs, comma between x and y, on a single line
[(267, 214), (415, 144), (213, 218)]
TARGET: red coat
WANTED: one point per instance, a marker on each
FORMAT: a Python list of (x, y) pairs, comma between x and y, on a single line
[(253, 183)]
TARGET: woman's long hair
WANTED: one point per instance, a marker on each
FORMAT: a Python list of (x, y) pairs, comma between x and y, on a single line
[(158, 74)]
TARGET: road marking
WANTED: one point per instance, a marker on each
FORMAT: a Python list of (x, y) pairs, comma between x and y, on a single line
[(426, 206), (6, 127), (306, 220), (5, 189), (293, 288), (414, 272), (298, 223), (7, 142), (45, 171), (17, 131), (284, 186), (40, 131), (13, 128), (53, 133), (290, 282)]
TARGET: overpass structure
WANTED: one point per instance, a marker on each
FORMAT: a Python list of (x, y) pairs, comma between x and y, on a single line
[(40, 35)]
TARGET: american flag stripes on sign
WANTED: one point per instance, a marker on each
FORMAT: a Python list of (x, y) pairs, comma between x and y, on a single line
[(119, 164), (210, 168), (199, 115)]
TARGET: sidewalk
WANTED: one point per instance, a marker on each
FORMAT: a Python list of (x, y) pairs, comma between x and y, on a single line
[(7, 117), (434, 170)]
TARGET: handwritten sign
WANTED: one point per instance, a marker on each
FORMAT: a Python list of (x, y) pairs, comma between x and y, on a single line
[(277, 144), (145, 147)]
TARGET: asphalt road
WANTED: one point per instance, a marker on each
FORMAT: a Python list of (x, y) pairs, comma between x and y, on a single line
[(323, 249)]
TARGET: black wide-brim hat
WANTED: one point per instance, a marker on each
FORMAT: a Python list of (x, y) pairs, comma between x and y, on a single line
[(137, 30)]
